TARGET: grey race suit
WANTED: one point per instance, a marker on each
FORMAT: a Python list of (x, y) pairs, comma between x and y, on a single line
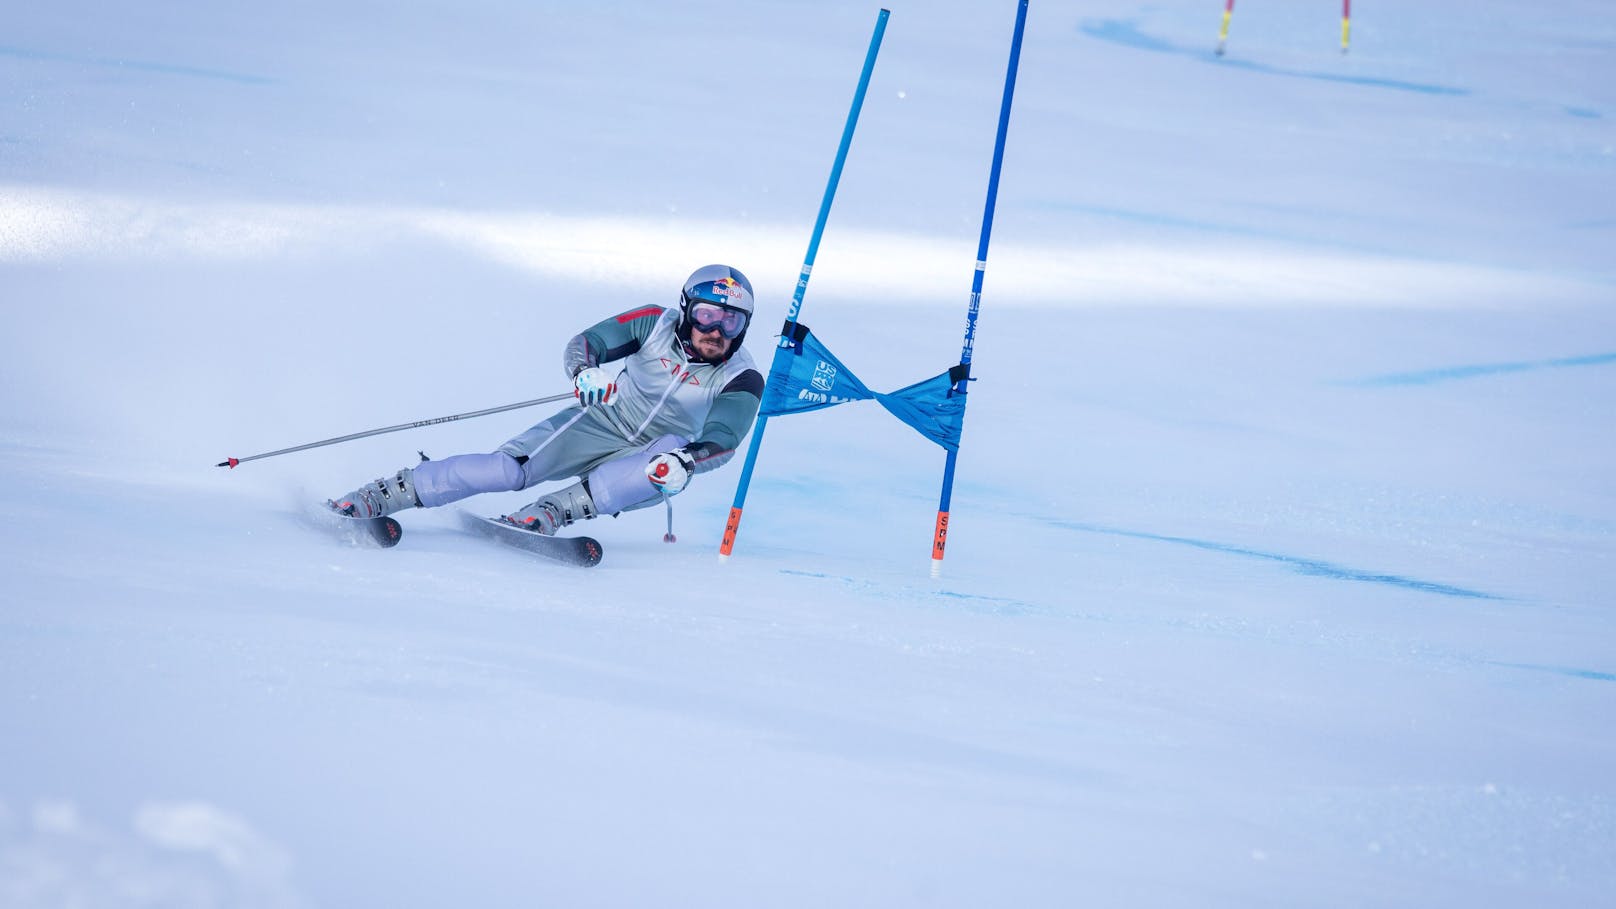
[(664, 401)]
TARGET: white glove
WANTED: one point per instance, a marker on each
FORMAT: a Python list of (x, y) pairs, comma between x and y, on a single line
[(670, 472), (594, 386)]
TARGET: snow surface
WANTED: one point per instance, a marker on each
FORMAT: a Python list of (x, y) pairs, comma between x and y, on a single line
[(1281, 551)]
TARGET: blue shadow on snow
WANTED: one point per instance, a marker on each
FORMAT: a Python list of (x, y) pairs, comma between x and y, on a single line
[(166, 69), (1298, 564), (1127, 34), (1455, 373), (1559, 670)]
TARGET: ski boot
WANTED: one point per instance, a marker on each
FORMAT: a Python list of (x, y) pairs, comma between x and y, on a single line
[(555, 510), (379, 498)]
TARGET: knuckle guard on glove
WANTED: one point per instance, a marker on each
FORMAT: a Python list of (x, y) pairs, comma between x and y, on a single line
[(593, 386), (670, 472)]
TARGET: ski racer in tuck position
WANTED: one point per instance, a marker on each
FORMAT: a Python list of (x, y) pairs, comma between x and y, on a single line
[(684, 397)]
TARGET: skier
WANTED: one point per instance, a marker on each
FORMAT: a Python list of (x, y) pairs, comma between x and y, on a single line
[(684, 397)]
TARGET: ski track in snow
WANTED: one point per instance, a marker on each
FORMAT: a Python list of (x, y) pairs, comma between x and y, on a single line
[(1299, 564), (1479, 370), (1129, 34), (1301, 635), (122, 65)]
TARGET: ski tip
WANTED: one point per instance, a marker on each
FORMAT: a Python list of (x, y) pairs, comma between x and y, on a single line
[(590, 551), (384, 532)]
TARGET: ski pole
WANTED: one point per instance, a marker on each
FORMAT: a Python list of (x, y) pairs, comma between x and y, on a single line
[(940, 535), (733, 526), (232, 462), (1223, 31)]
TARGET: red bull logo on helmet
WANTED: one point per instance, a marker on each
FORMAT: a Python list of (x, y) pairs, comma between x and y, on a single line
[(728, 287)]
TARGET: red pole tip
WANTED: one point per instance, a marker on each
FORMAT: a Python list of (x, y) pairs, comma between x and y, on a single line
[(229, 462)]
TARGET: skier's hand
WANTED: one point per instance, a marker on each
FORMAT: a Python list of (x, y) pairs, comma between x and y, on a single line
[(670, 472), (593, 386)]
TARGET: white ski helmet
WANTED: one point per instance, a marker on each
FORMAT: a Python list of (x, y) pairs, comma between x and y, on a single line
[(716, 286)]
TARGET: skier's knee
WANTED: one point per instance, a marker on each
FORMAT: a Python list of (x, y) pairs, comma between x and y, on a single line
[(452, 479), (621, 484)]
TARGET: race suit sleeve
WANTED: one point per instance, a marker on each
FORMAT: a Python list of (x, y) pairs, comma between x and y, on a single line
[(728, 421), (609, 339)]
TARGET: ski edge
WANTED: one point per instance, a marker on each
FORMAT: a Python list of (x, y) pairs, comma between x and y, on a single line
[(582, 552)]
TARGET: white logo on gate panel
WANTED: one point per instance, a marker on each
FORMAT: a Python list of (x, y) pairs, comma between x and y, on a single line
[(824, 376)]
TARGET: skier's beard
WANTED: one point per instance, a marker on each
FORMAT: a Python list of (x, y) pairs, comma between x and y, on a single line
[(710, 346)]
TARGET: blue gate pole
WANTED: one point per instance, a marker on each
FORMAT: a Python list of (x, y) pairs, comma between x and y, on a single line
[(786, 343), (940, 535)]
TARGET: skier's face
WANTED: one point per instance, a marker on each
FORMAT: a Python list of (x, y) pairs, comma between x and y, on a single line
[(712, 345)]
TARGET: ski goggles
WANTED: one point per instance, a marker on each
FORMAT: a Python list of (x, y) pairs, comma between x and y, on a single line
[(708, 316)]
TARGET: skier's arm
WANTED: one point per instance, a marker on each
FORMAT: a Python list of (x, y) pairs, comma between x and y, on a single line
[(609, 339), (728, 421)]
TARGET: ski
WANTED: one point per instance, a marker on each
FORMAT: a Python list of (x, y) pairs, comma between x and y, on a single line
[(381, 532), (583, 552)]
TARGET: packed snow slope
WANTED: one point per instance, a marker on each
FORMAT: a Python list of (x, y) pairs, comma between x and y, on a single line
[(1282, 545)]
